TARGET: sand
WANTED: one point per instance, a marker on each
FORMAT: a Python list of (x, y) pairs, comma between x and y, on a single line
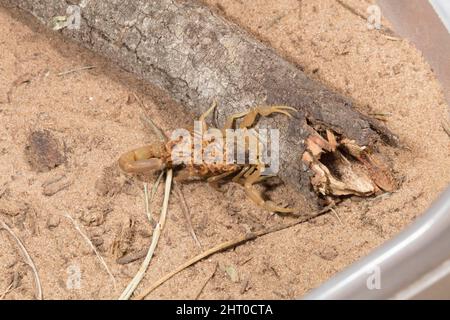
[(93, 119)]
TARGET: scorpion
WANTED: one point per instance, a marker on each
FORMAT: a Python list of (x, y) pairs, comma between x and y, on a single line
[(364, 176), (159, 156)]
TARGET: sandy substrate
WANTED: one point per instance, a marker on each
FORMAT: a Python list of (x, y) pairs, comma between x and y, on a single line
[(93, 120)]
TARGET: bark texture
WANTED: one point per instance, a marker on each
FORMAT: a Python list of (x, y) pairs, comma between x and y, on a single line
[(198, 56)]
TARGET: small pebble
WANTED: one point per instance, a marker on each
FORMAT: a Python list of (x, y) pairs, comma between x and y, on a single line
[(53, 221), (53, 187), (97, 241), (328, 253)]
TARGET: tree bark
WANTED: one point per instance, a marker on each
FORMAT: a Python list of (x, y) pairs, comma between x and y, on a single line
[(197, 56)]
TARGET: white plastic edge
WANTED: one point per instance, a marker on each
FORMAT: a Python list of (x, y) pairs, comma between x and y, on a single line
[(442, 7)]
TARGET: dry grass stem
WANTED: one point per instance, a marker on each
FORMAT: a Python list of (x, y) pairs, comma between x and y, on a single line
[(75, 70), (225, 246), (187, 214), (27, 258), (134, 283), (94, 249)]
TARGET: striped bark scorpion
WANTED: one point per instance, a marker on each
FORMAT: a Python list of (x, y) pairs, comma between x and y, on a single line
[(158, 156)]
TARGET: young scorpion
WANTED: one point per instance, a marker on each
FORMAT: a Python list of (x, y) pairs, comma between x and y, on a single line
[(158, 156)]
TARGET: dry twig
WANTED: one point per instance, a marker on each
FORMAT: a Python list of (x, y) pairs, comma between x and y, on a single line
[(8, 290), (337, 215), (446, 127), (126, 294), (75, 70), (89, 242), (206, 282), (27, 258), (149, 121), (351, 9), (225, 246), (148, 201), (187, 214)]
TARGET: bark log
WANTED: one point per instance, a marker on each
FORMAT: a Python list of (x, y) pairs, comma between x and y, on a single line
[(197, 56)]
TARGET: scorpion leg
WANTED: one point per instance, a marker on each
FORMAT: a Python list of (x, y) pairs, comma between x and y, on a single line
[(182, 176), (255, 195), (241, 173), (206, 114), (246, 172), (204, 126), (231, 119), (250, 116), (214, 181)]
